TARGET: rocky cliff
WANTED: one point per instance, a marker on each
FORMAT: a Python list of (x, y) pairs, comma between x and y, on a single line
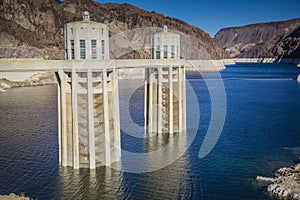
[(34, 29), (262, 39), (284, 46)]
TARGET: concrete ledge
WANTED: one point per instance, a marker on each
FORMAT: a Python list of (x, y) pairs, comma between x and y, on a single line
[(26, 65), (206, 65), (35, 65)]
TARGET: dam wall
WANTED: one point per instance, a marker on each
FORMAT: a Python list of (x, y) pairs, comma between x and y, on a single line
[(193, 65)]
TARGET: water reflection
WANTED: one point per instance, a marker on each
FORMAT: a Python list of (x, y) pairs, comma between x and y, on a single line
[(172, 181), (102, 183), (168, 146), (173, 177)]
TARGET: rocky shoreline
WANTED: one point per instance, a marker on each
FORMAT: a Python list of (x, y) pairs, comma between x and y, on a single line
[(285, 184), (42, 78), (13, 196)]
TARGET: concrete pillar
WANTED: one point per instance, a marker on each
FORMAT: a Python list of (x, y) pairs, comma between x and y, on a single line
[(116, 114), (184, 100), (59, 118), (106, 119), (146, 103), (180, 96), (75, 121), (171, 99), (150, 100), (159, 96), (92, 155), (63, 153)]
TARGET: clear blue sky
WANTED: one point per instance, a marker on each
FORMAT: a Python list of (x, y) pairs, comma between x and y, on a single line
[(212, 15)]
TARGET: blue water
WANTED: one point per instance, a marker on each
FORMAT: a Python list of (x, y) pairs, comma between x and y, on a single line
[(261, 133)]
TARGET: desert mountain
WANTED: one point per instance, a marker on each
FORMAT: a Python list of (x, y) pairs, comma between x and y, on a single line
[(284, 46), (34, 29), (274, 39)]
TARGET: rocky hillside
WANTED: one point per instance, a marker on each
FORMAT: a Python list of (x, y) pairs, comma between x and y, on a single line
[(34, 29), (284, 46), (256, 40)]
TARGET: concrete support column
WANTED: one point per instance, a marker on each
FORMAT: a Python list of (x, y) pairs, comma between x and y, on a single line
[(106, 119), (59, 118), (180, 98), (146, 102), (159, 106), (116, 114), (75, 121), (63, 153), (184, 99), (92, 155), (150, 101), (171, 99)]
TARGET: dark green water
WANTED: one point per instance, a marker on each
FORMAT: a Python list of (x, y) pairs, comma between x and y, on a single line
[(261, 133)]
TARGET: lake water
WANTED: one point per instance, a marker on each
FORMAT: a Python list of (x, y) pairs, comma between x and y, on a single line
[(261, 133)]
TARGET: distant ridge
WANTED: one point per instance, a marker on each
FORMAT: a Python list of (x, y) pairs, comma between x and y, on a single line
[(263, 24), (271, 39)]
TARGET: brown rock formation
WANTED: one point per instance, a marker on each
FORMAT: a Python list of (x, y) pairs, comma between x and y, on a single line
[(34, 28), (255, 40), (285, 46)]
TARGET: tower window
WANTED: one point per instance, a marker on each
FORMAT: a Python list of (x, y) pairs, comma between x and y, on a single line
[(94, 49), (82, 49), (158, 52), (165, 51), (102, 46), (67, 56), (72, 50), (152, 52), (172, 51), (152, 47)]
